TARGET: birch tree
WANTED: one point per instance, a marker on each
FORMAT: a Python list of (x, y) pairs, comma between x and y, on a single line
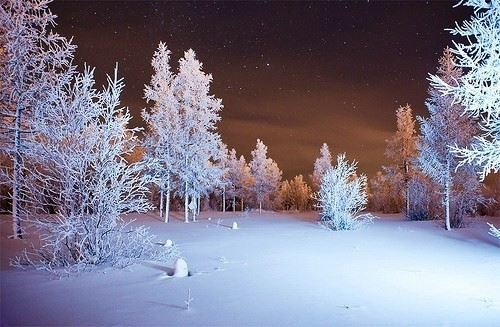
[(477, 90), (447, 127), (163, 126), (199, 141), (33, 60)]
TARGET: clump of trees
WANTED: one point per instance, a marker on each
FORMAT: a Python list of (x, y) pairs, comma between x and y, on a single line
[(295, 194)]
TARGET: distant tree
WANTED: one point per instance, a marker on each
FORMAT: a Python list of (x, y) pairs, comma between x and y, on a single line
[(401, 147), (447, 127), (239, 178), (266, 174), (321, 165), (199, 141), (163, 126), (295, 194), (342, 196), (387, 187), (33, 60)]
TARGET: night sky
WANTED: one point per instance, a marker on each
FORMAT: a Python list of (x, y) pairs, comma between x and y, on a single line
[(293, 74)]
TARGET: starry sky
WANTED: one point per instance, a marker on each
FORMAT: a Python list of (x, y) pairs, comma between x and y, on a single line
[(294, 74)]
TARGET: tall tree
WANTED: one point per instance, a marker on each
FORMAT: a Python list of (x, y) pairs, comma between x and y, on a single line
[(33, 60), (401, 147), (163, 126), (321, 165), (477, 89), (265, 172), (199, 141), (447, 127)]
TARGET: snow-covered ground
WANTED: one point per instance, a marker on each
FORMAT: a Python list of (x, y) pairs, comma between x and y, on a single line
[(277, 269)]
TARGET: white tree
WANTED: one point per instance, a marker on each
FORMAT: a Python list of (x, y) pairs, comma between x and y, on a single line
[(342, 196), (81, 141), (447, 127), (401, 148), (199, 141), (163, 126), (477, 89), (238, 178), (266, 174), (33, 60), (321, 166)]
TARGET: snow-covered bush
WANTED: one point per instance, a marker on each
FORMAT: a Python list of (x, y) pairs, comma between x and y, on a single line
[(426, 201), (342, 196), (80, 147)]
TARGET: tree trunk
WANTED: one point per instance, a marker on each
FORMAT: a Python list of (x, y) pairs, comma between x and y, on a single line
[(234, 203), (161, 201), (199, 205), (16, 219), (447, 196), (260, 207), (407, 191), (223, 199), (167, 208), (186, 204), (242, 204)]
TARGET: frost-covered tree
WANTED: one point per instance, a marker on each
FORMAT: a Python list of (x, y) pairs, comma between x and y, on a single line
[(321, 165), (266, 174), (447, 127), (239, 178), (295, 194), (477, 90), (401, 147), (342, 196), (163, 126), (81, 141), (33, 60), (199, 141)]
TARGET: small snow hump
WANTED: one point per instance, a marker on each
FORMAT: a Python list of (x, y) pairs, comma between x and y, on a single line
[(235, 225), (168, 243), (181, 268)]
